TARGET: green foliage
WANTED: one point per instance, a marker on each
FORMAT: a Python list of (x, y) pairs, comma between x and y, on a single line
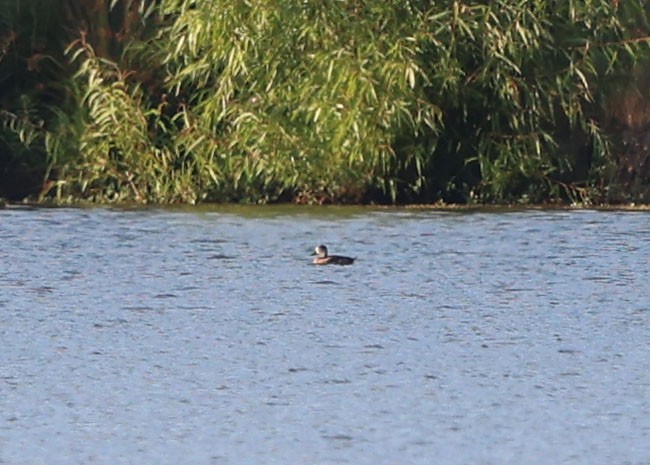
[(304, 98), (30, 93), (328, 100), (516, 82), (40, 101), (256, 101)]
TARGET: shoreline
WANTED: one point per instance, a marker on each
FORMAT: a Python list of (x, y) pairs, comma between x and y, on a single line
[(211, 206)]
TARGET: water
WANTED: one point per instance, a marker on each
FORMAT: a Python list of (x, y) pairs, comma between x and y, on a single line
[(168, 337)]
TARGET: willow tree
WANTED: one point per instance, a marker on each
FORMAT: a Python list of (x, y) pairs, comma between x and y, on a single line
[(409, 100), (491, 100), (298, 98), (524, 87), (42, 111), (31, 91)]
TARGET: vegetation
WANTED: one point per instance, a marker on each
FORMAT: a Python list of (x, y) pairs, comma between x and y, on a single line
[(357, 101)]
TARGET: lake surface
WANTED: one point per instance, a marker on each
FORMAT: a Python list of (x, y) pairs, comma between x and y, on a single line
[(208, 337)]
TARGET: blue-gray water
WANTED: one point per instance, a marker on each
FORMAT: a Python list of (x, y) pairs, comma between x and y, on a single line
[(169, 337)]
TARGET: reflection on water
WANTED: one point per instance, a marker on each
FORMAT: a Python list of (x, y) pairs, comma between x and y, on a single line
[(205, 336)]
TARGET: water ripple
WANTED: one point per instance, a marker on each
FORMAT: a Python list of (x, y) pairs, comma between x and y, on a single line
[(209, 337)]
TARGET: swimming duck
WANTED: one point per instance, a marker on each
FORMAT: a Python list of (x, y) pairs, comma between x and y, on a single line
[(323, 259)]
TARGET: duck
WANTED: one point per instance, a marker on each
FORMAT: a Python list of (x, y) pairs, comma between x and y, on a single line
[(322, 258)]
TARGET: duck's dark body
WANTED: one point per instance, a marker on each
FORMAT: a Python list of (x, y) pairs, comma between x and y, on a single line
[(324, 259)]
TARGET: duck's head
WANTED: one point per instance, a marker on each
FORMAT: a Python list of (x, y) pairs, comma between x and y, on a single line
[(321, 251)]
